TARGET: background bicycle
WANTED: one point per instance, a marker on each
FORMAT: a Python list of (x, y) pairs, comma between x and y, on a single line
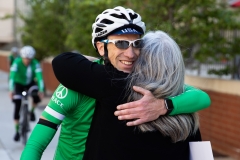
[(24, 120)]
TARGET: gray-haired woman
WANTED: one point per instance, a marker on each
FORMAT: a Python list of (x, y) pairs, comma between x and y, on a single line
[(160, 69)]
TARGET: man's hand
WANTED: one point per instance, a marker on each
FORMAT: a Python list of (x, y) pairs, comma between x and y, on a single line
[(11, 95), (148, 108), (41, 95)]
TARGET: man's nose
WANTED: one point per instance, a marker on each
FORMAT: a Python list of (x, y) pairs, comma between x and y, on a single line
[(129, 52)]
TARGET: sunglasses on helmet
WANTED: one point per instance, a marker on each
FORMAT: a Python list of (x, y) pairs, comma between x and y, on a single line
[(124, 44)]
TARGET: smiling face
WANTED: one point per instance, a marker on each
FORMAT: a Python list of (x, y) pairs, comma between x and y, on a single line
[(121, 59)]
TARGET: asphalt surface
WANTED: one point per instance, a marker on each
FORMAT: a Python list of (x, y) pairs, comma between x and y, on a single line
[(9, 149)]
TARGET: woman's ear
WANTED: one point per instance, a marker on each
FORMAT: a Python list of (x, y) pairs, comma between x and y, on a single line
[(100, 48)]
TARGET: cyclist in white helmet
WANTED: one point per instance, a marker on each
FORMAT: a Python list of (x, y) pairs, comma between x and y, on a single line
[(23, 73), (74, 111)]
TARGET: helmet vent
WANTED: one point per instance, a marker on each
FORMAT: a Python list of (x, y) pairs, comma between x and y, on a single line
[(122, 16), (105, 12), (98, 30), (133, 16), (106, 21), (101, 25)]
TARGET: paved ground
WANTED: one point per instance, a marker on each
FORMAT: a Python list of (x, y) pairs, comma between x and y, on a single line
[(10, 150)]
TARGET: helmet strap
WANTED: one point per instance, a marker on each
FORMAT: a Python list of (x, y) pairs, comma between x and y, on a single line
[(105, 56)]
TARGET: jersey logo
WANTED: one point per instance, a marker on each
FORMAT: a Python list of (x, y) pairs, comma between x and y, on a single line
[(61, 92)]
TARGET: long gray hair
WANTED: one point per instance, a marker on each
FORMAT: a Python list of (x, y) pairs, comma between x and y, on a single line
[(160, 69)]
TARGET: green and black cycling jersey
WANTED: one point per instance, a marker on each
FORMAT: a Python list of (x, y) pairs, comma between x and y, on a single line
[(24, 75)]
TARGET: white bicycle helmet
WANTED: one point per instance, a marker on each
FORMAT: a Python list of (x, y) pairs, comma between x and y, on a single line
[(14, 49), (27, 52), (111, 20)]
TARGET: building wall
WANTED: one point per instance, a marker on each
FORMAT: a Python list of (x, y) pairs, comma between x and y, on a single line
[(50, 80), (6, 25), (220, 123), (9, 28), (4, 64)]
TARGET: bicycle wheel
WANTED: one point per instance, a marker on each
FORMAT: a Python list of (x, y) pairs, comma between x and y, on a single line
[(25, 125)]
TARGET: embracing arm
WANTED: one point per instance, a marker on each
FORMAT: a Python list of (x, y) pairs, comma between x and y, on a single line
[(79, 74), (65, 70), (192, 100), (148, 108)]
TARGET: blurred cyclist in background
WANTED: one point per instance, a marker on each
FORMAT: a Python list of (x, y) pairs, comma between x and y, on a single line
[(13, 55), (23, 73)]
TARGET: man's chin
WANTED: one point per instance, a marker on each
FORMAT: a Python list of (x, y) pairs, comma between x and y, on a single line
[(126, 70)]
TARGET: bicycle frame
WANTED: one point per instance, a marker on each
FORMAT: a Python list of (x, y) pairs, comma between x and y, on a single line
[(25, 127)]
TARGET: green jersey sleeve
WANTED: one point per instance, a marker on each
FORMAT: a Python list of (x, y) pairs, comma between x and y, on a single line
[(40, 137), (61, 103), (10, 59), (191, 100), (13, 71), (38, 73)]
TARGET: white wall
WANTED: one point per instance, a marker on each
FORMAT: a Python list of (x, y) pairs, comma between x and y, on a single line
[(214, 84), (6, 26)]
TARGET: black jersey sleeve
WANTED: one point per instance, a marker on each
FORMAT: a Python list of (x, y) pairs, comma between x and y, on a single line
[(76, 72)]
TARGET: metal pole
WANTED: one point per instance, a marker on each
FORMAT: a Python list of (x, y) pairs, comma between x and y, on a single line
[(15, 23)]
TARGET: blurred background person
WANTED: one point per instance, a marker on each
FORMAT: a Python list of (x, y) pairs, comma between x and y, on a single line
[(13, 55), (23, 73)]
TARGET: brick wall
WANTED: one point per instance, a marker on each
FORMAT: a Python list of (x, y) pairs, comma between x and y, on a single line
[(50, 80), (221, 123), (4, 64)]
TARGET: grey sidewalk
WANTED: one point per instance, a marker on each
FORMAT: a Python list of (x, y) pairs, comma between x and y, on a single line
[(10, 150)]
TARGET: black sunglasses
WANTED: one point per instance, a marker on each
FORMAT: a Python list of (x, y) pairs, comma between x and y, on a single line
[(124, 44)]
